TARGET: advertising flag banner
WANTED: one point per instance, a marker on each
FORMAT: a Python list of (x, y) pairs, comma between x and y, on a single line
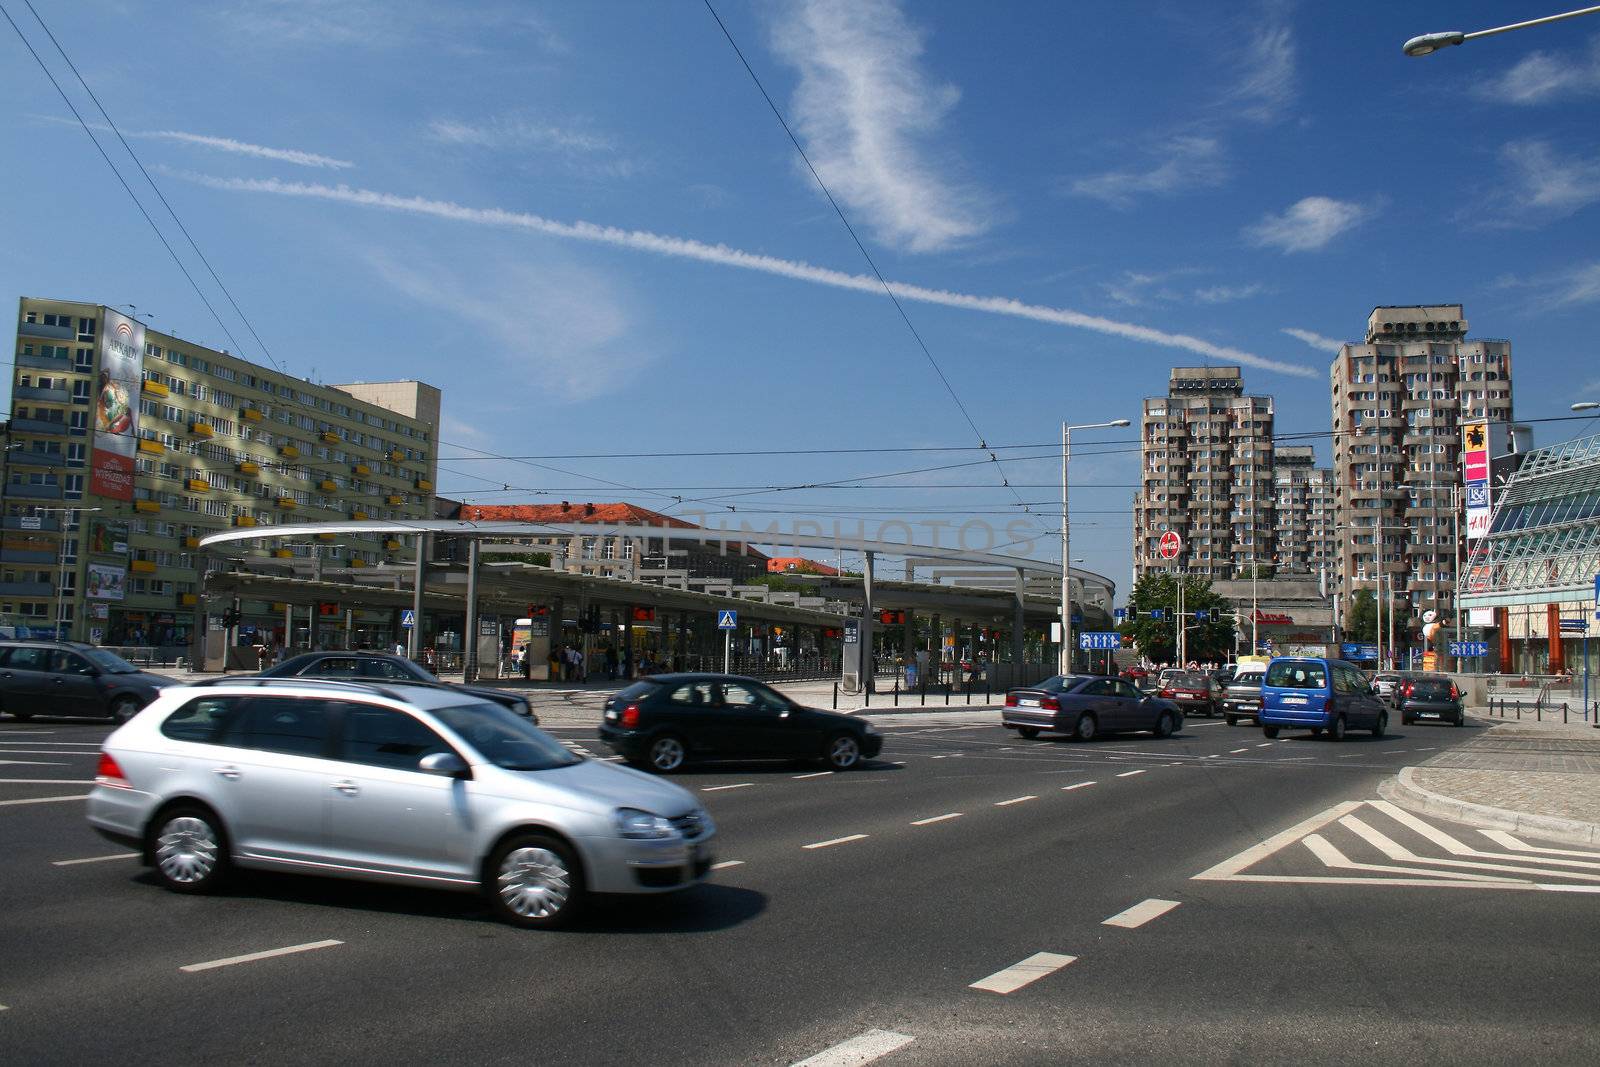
[(1475, 471), (116, 405)]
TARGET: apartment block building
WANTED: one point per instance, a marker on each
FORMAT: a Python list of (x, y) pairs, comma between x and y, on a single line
[(1303, 499), (1206, 474), (127, 445), (1399, 404)]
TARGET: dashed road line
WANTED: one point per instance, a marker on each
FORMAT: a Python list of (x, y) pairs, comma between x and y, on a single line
[(1265, 744), (836, 841), (94, 859), (1129, 774), (46, 781), (42, 800), (1141, 913), (1030, 970), (863, 1048), (817, 774), (1236, 751), (1014, 800), (725, 864), (1078, 785), (251, 957), (720, 788), (937, 818)]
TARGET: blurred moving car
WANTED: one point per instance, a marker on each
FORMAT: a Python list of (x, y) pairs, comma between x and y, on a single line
[(1386, 685), (1322, 694), (1193, 691), (665, 721), (415, 785), (380, 667), (73, 678), (1432, 697), (1086, 706), (1242, 698)]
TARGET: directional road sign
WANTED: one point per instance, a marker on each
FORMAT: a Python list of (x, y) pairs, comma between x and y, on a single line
[(1202, 616), (1119, 614), (727, 620), (1170, 545), (1104, 640), (1574, 626), (1158, 613), (408, 618), (1461, 649)]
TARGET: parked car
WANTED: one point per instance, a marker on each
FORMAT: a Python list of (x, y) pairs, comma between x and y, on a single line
[(74, 679), (1320, 694), (379, 667), (1166, 675), (1431, 697), (1242, 698), (1195, 692), (1386, 685), (1224, 674), (415, 785), (1086, 706), (1137, 675), (663, 722)]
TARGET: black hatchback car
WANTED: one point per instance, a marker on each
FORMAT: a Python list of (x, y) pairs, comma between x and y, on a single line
[(72, 678), (1429, 697), (664, 721), (395, 670)]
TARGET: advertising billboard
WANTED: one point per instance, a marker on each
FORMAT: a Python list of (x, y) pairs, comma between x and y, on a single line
[(1475, 471), (107, 537), (116, 405), (106, 581)]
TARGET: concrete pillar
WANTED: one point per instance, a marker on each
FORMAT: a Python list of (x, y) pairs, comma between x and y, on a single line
[(626, 654), (413, 640), (1017, 626), (288, 628), (1558, 648), (469, 629), (1502, 622), (868, 618), (909, 637)]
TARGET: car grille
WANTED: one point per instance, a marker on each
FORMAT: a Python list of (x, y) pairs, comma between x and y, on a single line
[(690, 826)]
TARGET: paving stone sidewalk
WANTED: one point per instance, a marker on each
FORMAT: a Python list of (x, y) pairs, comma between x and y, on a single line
[(1546, 770)]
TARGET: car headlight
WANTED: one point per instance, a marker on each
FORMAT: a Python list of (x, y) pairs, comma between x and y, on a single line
[(642, 825), (868, 728)]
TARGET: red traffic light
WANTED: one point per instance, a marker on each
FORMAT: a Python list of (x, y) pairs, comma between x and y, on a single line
[(644, 614)]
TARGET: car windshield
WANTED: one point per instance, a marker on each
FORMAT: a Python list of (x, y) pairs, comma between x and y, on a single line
[(1297, 674), (506, 739), (109, 662), (1191, 681)]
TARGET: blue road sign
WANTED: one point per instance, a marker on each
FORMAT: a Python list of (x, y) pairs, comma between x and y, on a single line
[(1597, 587), (1158, 613), (1574, 626), (1461, 649), (727, 620), (1109, 639), (1122, 613), (1202, 615), (1358, 652), (408, 618)]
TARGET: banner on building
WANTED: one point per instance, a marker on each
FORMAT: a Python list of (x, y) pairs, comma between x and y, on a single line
[(116, 405), (1475, 472), (107, 537), (106, 581), (1480, 616)]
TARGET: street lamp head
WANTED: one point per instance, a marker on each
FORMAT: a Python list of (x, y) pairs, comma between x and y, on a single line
[(1429, 43), (1118, 422), (1585, 405)]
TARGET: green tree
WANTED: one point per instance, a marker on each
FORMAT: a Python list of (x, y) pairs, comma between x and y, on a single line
[(1156, 639), (1362, 625)]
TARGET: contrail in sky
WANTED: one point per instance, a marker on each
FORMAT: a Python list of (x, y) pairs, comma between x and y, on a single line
[(685, 248)]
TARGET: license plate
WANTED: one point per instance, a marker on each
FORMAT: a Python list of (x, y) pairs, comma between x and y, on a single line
[(1430, 715), (1027, 703), (1294, 700)]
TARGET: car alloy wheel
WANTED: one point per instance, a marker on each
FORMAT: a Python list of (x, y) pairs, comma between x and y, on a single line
[(1381, 725), (844, 752), (1086, 728), (123, 709), (666, 754), (1163, 725), (188, 853), (1336, 731)]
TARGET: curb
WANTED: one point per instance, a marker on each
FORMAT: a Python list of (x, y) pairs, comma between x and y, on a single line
[(1404, 791)]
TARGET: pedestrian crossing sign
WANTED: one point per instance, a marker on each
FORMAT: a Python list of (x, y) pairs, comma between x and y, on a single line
[(408, 618), (727, 620)]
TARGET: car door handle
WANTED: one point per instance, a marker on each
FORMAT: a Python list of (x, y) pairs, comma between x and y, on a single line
[(347, 787), (230, 773)]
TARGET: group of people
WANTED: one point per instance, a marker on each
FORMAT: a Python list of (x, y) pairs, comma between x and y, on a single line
[(568, 663)]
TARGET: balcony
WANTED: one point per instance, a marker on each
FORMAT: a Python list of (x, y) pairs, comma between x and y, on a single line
[(394, 501), (37, 590), (155, 388), (34, 492), (191, 542), (33, 523), (27, 555), (328, 485), (330, 437), (202, 430), (250, 415), (149, 507), (327, 537), (287, 503), (23, 457), (247, 467), (289, 452), (154, 448), (34, 392), (424, 485), (49, 426), (361, 469), (39, 329), (142, 566), (197, 485), (395, 455), (358, 516), (391, 545), (244, 520)]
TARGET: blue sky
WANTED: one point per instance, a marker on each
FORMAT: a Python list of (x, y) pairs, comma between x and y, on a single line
[(582, 221)]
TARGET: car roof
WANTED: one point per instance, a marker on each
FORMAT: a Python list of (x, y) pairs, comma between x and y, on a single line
[(418, 696)]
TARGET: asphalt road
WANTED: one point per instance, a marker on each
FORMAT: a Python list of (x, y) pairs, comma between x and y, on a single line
[(861, 907)]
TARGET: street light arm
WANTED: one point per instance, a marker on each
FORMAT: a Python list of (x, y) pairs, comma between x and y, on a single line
[(1429, 43)]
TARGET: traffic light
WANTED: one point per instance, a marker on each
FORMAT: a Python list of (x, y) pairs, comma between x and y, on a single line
[(231, 618), (327, 609), (644, 614), (892, 618)]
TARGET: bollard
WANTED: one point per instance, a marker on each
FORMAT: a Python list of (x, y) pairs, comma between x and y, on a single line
[(947, 694), (969, 692), (1519, 711), (897, 692), (835, 696), (1563, 713)]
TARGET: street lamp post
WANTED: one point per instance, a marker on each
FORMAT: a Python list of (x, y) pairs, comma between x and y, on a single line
[(1064, 660), (1429, 43)]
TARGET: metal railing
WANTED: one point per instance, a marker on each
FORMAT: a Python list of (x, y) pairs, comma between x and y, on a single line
[(1507, 708)]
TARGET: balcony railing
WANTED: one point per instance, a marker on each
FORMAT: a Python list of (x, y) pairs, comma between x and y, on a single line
[(34, 492)]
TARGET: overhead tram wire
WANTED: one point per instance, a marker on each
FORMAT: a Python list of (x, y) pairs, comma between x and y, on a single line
[(860, 245)]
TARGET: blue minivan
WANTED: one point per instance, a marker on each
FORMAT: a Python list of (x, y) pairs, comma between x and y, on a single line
[(1321, 694)]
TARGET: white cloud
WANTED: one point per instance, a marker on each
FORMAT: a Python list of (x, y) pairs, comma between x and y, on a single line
[(561, 330), (245, 148), (1227, 294), (1189, 162), (866, 110), (1307, 224), (1315, 340), (515, 132), (1543, 184), (1543, 76), (722, 255), (1579, 286), (1266, 87)]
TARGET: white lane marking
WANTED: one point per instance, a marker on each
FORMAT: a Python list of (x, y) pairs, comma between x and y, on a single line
[(1430, 748), (1352, 755), (1080, 785), (1205, 724), (1505, 840), (40, 752), (1332, 857), (46, 781), (251, 957), (936, 818), (1213, 756), (836, 841), (1568, 888), (863, 1048), (23, 733), (1265, 744), (1231, 867), (41, 800), (1294, 759), (1018, 975), (897, 763), (1129, 774), (94, 859), (1457, 848), (1014, 800), (817, 774), (720, 788), (1141, 913), (725, 864), (1236, 751)]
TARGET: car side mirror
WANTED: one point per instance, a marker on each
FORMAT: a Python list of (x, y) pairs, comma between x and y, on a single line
[(444, 764)]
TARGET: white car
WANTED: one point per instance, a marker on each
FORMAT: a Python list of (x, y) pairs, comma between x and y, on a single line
[(410, 785)]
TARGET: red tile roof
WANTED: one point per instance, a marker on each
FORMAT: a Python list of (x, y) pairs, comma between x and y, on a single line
[(606, 514), (799, 564)]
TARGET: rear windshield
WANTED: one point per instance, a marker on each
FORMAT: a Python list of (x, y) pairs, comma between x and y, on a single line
[(1191, 681), (638, 689), (1248, 678), (1430, 687), (1297, 674)]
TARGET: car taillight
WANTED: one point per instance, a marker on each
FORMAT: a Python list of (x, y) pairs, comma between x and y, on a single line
[(1454, 693), (1050, 703), (630, 716), (1165, 693), (108, 773), (1406, 690), (1011, 700)]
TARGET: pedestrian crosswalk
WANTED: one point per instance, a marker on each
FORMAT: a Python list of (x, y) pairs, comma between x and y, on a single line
[(1374, 842)]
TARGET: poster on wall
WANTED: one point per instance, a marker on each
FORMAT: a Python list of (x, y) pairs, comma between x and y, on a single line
[(107, 537), (105, 581), (116, 405)]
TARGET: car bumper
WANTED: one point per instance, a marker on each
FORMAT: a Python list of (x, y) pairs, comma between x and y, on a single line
[(1189, 702), (1037, 718), (1293, 717), (871, 745), (621, 865), (1431, 710), (629, 744), (1244, 708), (120, 815)]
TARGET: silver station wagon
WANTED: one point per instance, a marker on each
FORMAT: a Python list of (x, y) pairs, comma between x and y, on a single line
[(414, 786)]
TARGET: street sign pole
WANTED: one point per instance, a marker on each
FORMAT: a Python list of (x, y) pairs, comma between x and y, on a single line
[(727, 652)]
